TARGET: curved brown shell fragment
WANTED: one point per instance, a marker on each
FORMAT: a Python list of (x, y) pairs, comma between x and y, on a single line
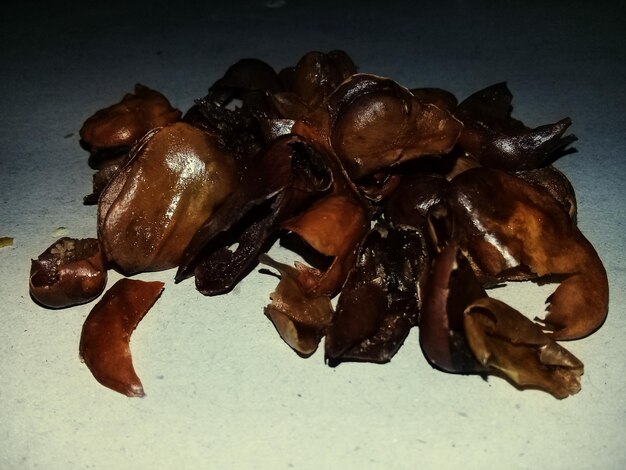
[(377, 123), (511, 230), (505, 340), (310, 82), (497, 140), (152, 208), (70, 272), (333, 226), (104, 342), (299, 317), (450, 287), (555, 183)]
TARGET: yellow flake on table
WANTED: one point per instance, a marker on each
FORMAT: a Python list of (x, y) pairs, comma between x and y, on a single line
[(60, 232), (6, 241)]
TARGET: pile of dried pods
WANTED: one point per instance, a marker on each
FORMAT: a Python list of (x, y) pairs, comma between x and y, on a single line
[(406, 204)]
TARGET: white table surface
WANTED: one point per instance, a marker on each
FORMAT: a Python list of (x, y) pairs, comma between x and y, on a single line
[(222, 389)]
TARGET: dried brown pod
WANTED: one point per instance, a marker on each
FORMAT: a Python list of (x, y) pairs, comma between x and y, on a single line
[(503, 339), (275, 185), (497, 140), (123, 124), (379, 302), (513, 230), (105, 338), (311, 81), (70, 272), (149, 212), (376, 123)]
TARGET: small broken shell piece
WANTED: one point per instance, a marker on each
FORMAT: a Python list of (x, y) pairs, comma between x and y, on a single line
[(299, 318), (105, 338), (450, 287), (70, 272), (501, 338)]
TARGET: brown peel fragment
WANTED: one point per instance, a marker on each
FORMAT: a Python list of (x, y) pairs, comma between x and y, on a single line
[(104, 342), (69, 272), (503, 339), (450, 287)]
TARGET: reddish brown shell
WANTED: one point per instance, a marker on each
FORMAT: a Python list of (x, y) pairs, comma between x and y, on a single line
[(69, 272), (104, 342)]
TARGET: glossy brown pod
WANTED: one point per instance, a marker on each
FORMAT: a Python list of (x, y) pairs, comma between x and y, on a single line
[(379, 302), (124, 123), (376, 123), (510, 229), (149, 212), (70, 272), (104, 342), (497, 140)]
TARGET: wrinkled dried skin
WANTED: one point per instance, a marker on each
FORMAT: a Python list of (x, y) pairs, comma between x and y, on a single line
[(300, 319), (151, 209), (69, 272), (509, 230), (378, 303), (376, 123), (124, 123), (450, 287), (105, 339), (497, 140), (503, 339)]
